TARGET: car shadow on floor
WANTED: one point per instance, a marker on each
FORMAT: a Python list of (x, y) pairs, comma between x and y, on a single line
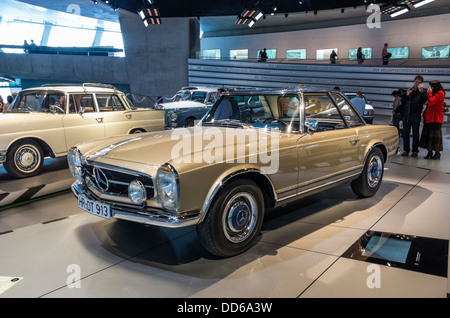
[(179, 250)]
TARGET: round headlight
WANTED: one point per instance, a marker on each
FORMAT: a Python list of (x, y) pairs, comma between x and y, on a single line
[(173, 117), (136, 192)]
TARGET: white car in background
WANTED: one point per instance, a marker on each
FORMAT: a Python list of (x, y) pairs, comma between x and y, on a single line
[(369, 113), (46, 121), (189, 105)]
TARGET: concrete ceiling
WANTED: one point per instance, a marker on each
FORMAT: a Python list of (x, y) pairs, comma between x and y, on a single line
[(217, 18)]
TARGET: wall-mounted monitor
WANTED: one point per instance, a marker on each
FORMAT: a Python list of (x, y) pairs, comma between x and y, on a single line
[(401, 52), (239, 54), (367, 51), (211, 54), (298, 54), (324, 54), (436, 52), (271, 54)]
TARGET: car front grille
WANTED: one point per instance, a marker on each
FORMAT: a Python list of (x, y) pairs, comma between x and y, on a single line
[(112, 182)]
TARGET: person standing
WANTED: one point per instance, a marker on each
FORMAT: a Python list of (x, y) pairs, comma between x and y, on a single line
[(263, 55), (360, 56), (333, 57), (411, 112), (433, 116), (359, 103), (385, 54), (9, 100)]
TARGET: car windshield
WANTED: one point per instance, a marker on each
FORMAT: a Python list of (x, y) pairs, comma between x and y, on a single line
[(39, 101), (261, 111)]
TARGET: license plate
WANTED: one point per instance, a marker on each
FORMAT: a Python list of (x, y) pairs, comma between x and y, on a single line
[(93, 207)]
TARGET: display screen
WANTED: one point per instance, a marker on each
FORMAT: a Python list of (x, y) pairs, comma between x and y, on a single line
[(239, 54), (399, 52), (299, 54), (211, 54), (324, 54), (436, 52), (387, 248), (367, 51)]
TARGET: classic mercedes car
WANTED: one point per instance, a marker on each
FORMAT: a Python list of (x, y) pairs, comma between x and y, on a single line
[(189, 105), (255, 149), (46, 121)]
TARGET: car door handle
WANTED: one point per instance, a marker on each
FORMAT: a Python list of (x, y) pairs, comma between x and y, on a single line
[(129, 116), (354, 141), (99, 120)]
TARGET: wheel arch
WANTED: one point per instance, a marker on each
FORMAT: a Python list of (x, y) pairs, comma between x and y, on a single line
[(48, 152), (261, 180)]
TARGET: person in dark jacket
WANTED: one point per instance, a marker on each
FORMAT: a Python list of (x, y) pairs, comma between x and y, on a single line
[(411, 113)]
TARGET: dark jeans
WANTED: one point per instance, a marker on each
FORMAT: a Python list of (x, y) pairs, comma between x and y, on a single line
[(412, 122)]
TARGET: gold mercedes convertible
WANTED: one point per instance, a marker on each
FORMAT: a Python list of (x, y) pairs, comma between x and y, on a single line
[(255, 149)]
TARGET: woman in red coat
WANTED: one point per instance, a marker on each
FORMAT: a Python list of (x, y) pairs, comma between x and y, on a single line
[(431, 138)]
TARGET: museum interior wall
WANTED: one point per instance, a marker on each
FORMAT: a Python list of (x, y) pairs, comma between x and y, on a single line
[(414, 33)]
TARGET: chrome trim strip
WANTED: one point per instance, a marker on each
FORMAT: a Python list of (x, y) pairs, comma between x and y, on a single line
[(118, 169), (318, 187), (319, 180)]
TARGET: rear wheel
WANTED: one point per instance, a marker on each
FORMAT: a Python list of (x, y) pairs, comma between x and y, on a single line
[(233, 220), (24, 159), (369, 181)]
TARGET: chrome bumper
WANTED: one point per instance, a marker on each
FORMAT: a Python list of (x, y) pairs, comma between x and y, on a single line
[(2, 156), (151, 216)]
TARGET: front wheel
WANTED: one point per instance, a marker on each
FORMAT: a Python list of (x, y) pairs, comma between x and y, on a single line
[(233, 220), (369, 180), (24, 159)]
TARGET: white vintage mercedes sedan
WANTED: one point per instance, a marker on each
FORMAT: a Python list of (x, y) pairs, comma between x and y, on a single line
[(48, 120)]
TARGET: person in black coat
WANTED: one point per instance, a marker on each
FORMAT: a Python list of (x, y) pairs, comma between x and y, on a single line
[(411, 113)]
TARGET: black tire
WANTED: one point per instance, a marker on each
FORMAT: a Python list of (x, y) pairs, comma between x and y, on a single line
[(233, 220), (189, 122), (370, 179), (24, 159)]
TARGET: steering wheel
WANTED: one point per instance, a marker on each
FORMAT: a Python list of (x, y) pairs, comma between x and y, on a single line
[(54, 108)]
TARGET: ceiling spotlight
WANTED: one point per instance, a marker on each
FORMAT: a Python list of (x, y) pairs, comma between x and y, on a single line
[(95, 1), (397, 13), (150, 15), (249, 16), (421, 3)]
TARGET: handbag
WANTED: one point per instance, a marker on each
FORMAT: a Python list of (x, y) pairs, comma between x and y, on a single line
[(445, 108)]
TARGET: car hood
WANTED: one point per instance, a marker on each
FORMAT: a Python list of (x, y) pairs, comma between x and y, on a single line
[(180, 104), (169, 146)]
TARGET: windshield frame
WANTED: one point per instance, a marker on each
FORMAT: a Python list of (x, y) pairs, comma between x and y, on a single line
[(45, 94)]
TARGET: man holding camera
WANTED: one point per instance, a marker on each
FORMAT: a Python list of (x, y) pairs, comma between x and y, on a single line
[(411, 112)]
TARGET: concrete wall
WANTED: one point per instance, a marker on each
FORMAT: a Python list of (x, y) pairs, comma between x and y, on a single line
[(415, 33), (157, 56)]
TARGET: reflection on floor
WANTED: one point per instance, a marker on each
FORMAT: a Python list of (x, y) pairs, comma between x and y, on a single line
[(50, 248)]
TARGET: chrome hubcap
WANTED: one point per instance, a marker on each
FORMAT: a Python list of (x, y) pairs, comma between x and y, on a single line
[(374, 171), (27, 158), (239, 219)]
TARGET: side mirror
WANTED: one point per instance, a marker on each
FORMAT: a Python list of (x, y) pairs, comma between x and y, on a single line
[(311, 125)]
